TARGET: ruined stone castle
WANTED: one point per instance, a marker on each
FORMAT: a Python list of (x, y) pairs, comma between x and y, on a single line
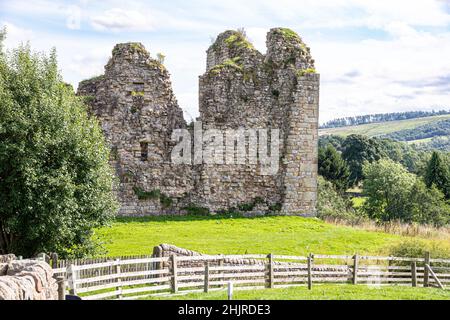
[(241, 88)]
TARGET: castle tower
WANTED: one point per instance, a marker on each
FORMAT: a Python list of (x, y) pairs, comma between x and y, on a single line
[(138, 111), (243, 88)]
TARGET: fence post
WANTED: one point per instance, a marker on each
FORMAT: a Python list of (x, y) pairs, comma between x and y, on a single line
[(41, 256), (355, 268), (310, 262), (414, 274), (54, 257), (118, 279), (270, 273), (230, 290), (206, 289), (222, 279), (174, 274), (61, 281), (72, 279), (426, 274)]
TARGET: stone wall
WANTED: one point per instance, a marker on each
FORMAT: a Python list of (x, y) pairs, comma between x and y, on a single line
[(26, 280), (168, 250), (241, 89)]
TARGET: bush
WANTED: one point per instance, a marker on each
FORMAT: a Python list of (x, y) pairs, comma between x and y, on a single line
[(387, 186), (428, 205), (332, 205), (333, 168), (394, 194), (56, 183), (194, 210), (417, 248)]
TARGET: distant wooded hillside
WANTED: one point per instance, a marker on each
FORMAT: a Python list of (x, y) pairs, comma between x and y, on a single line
[(381, 117), (425, 133)]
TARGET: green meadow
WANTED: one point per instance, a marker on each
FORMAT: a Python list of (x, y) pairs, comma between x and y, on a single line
[(287, 235)]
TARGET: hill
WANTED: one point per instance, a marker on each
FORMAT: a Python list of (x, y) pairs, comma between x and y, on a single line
[(383, 128), (381, 117), (426, 133)]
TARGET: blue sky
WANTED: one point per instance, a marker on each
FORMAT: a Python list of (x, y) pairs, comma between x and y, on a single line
[(373, 55)]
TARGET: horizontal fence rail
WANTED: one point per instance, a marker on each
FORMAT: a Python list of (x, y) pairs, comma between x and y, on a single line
[(134, 277)]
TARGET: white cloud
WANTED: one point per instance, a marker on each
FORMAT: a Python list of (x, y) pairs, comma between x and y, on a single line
[(402, 73), (117, 19), (89, 63), (73, 21), (390, 49), (16, 35), (358, 13)]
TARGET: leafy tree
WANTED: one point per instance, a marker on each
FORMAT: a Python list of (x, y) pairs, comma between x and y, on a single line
[(414, 160), (55, 181), (333, 168), (437, 173), (359, 149), (428, 205), (395, 194), (335, 141), (331, 204), (2, 38), (387, 186)]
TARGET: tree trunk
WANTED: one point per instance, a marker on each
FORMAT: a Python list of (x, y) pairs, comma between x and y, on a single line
[(6, 240)]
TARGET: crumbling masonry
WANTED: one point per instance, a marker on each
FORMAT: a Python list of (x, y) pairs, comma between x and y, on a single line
[(241, 88)]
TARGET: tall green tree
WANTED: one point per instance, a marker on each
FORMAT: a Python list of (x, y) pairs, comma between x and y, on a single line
[(387, 186), (437, 173), (56, 185), (428, 205), (395, 194), (359, 149), (333, 168)]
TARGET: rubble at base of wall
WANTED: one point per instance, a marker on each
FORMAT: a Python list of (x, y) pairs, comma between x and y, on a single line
[(26, 280)]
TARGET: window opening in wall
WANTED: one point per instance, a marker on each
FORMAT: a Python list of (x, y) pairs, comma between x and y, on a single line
[(144, 151)]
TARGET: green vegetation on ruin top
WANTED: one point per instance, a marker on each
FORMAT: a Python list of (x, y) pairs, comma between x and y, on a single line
[(152, 63), (93, 79), (289, 34), (133, 46), (238, 40)]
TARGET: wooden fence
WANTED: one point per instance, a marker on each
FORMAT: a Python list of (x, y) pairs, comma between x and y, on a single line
[(141, 276)]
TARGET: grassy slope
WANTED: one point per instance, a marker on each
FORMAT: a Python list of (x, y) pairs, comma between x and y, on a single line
[(327, 292), (375, 129), (280, 235)]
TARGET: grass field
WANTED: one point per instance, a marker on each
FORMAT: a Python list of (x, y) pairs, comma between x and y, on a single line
[(326, 292), (214, 235), (376, 129)]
